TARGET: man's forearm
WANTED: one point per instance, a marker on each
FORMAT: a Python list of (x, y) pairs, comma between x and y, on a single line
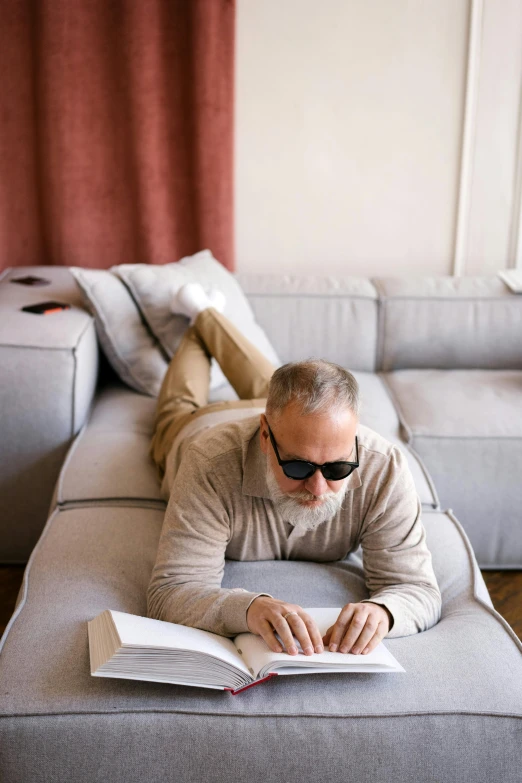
[(414, 607), (219, 610)]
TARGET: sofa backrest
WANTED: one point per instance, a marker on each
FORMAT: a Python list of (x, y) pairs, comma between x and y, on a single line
[(317, 316), (448, 323)]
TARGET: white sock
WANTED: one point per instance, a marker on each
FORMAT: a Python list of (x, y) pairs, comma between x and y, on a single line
[(191, 300), (217, 300)]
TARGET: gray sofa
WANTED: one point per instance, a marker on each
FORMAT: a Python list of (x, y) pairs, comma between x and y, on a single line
[(439, 362)]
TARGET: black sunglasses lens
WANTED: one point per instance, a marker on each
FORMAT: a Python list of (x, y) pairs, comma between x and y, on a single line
[(298, 470), (337, 471), (302, 470)]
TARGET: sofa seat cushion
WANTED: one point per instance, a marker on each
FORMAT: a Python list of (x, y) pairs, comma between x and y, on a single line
[(379, 413), (462, 689), (452, 322), (109, 460), (335, 318), (467, 427)]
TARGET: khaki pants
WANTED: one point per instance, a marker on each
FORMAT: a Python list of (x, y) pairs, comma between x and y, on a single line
[(185, 387)]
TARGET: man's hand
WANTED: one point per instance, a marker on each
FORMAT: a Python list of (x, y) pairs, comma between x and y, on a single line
[(265, 616), (358, 629)]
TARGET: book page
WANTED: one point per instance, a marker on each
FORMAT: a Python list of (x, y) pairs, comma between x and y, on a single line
[(262, 660), (147, 633)]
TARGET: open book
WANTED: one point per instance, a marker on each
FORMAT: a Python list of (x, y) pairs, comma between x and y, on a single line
[(139, 648)]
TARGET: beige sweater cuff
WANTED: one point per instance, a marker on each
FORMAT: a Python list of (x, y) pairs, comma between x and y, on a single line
[(234, 610)]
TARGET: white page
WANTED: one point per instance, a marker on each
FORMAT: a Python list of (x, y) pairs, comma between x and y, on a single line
[(158, 679), (259, 656), (145, 632)]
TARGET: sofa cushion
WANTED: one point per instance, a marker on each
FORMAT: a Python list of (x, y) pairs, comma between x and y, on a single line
[(332, 318), (153, 287), (462, 689), (467, 427), (132, 350), (378, 412), (448, 322), (109, 460)]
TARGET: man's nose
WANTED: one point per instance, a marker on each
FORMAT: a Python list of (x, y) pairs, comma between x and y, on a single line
[(317, 484)]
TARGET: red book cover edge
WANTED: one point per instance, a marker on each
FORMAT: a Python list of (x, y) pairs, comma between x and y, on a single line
[(251, 685)]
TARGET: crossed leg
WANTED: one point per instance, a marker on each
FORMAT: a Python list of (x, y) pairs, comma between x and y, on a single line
[(185, 386)]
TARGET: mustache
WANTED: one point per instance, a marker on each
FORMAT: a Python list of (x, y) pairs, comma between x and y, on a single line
[(303, 494)]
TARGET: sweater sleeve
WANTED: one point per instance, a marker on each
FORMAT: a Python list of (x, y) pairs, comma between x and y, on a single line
[(185, 585), (397, 562)]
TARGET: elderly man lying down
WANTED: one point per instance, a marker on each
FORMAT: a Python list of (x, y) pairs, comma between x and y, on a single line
[(285, 472)]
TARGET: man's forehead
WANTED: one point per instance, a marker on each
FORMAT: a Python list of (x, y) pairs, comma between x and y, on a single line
[(299, 439)]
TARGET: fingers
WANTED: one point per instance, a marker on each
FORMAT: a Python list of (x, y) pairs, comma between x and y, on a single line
[(313, 632), (299, 625), (359, 629), (326, 637), (376, 639), (340, 627), (356, 639), (305, 629), (267, 633), (286, 628)]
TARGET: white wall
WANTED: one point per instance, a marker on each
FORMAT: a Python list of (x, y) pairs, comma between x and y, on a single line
[(377, 137)]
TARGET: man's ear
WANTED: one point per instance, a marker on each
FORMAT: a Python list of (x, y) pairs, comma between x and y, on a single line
[(263, 433)]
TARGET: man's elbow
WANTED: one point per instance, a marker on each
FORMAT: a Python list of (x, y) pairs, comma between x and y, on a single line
[(159, 604), (434, 607)]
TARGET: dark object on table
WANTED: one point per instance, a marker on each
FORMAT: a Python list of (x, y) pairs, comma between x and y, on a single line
[(30, 280), (44, 308)]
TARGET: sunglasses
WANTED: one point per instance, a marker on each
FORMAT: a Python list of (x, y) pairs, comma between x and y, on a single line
[(300, 469)]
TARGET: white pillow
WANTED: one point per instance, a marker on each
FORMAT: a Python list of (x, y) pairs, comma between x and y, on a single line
[(153, 287), (132, 350)]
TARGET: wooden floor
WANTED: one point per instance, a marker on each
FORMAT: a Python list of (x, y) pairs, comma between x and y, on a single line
[(505, 588)]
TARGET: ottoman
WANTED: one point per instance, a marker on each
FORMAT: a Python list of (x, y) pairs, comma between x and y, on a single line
[(455, 714)]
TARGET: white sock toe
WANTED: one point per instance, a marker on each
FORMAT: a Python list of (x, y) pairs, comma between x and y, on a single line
[(217, 300), (190, 300)]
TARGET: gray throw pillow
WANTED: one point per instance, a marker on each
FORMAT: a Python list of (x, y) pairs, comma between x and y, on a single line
[(153, 287), (132, 350)]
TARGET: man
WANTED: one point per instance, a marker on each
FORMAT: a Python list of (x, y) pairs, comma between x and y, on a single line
[(285, 472)]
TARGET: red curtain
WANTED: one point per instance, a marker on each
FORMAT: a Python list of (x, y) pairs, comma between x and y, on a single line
[(116, 131)]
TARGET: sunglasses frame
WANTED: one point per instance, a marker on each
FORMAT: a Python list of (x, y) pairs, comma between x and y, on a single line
[(285, 462)]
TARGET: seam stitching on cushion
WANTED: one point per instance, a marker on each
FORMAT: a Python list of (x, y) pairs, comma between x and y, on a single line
[(70, 452), (467, 437), (129, 285), (474, 566), (397, 406), (25, 582), (38, 347), (427, 476), (298, 295), (419, 297), (220, 715), (87, 325), (124, 502), (381, 317), (73, 388)]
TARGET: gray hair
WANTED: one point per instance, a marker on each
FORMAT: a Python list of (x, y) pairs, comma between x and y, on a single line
[(316, 385)]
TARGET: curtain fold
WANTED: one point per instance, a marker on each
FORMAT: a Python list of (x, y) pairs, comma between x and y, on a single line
[(116, 131)]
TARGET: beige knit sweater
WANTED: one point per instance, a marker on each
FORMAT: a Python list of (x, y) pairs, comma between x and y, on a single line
[(220, 507)]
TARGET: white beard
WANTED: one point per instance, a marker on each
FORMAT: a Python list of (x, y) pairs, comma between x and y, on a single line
[(298, 515)]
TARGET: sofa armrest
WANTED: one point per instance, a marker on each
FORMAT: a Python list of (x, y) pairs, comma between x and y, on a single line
[(49, 371)]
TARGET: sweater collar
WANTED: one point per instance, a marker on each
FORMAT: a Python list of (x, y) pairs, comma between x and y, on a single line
[(254, 471)]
